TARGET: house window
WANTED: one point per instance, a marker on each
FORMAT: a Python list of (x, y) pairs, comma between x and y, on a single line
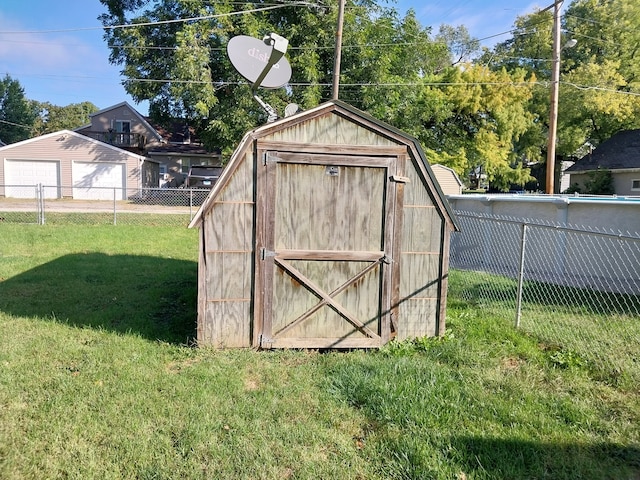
[(123, 132), (635, 184)]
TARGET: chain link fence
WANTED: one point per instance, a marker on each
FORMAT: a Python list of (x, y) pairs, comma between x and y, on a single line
[(42, 204), (577, 291)]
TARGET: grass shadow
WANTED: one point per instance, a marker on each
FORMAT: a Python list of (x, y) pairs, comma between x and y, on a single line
[(523, 459), (150, 296)]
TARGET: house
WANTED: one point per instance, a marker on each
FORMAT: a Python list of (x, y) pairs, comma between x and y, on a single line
[(68, 164), (327, 229), (620, 155), (175, 149), (448, 179), (122, 126)]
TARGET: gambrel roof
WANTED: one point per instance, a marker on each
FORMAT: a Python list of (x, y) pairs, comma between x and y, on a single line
[(342, 109)]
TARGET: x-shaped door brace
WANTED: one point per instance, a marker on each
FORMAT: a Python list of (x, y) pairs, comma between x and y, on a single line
[(327, 298)]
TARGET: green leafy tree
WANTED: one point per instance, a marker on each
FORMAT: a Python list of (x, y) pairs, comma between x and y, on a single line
[(599, 81), (17, 116), (52, 118)]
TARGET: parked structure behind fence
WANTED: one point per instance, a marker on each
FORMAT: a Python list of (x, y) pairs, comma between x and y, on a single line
[(578, 291), (100, 205)]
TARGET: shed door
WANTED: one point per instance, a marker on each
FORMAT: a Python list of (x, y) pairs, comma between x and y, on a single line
[(327, 250)]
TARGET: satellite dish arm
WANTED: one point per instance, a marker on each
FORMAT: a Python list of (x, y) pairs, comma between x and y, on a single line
[(271, 113), (279, 45)]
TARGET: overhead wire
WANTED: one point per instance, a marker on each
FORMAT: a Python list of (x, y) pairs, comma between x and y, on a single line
[(277, 6)]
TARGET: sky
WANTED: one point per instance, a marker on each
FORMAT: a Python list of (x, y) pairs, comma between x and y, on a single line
[(57, 53)]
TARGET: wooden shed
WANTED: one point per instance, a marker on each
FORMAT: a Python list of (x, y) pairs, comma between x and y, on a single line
[(326, 229)]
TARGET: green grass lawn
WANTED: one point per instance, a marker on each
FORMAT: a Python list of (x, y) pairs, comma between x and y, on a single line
[(99, 378)]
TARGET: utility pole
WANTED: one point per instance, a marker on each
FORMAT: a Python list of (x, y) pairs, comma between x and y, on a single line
[(338, 51), (553, 108)]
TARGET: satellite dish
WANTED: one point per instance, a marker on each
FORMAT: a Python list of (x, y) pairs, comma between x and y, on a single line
[(291, 109), (261, 62)]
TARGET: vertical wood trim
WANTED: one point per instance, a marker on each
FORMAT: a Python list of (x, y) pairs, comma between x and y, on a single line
[(202, 290), (268, 206), (386, 285), (259, 274), (396, 270), (444, 280)]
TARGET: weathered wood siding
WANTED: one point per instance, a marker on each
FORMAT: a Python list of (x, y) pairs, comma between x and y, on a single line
[(242, 293), (330, 130), (226, 260), (420, 261), (318, 212)]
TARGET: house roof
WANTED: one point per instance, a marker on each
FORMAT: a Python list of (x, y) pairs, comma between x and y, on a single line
[(182, 149), (142, 119), (620, 152), (451, 171), (84, 138), (341, 108)]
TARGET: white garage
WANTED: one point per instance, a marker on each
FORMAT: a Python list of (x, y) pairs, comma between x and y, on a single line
[(22, 176), (99, 180), (71, 165)]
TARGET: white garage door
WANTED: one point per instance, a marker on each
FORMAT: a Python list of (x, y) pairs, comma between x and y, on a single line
[(21, 177), (98, 180)]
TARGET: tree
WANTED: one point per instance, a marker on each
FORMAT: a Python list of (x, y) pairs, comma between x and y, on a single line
[(52, 118), (391, 68), (600, 76), (16, 114), (183, 70)]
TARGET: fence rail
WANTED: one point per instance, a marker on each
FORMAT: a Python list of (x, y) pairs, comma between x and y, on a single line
[(42, 204), (578, 291)]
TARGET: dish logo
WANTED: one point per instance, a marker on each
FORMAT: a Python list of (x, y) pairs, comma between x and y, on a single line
[(261, 56)]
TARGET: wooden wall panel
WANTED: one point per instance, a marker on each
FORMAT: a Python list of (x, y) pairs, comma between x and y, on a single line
[(418, 318), (422, 229), (317, 211), (224, 316), (330, 129), (415, 190), (229, 227), (225, 325), (420, 275), (240, 187), (228, 276)]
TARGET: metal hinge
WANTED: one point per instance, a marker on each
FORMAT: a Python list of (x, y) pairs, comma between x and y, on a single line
[(268, 157), (264, 253), (399, 179), (266, 342)]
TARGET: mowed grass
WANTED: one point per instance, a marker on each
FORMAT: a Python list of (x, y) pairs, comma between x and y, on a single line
[(100, 378)]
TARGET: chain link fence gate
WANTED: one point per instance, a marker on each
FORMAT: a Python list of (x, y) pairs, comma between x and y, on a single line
[(577, 291)]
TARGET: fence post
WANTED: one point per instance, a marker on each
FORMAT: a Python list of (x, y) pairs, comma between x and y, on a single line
[(114, 205), (523, 246), (191, 203), (38, 214), (40, 202)]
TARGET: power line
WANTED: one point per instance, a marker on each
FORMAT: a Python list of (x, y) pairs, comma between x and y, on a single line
[(15, 124), (161, 22)]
